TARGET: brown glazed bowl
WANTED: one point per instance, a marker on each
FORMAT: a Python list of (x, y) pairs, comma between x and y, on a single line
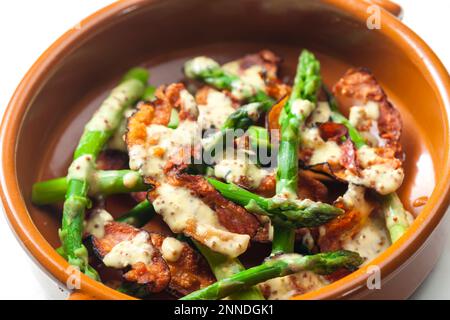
[(47, 113)]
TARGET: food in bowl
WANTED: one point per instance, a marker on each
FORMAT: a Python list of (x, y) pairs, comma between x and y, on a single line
[(233, 162)]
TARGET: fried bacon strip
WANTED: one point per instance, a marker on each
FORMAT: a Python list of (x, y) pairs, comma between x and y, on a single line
[(360, 86), (190, 272), (157, 112), (156, 275), (231, 216)]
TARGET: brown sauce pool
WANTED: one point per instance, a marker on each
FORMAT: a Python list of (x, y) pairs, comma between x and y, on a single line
[(419, 178)]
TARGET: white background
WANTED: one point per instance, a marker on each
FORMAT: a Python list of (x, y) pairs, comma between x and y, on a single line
[(28, 27)]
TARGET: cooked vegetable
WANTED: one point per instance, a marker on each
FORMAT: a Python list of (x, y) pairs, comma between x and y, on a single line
[(298, 107), (396, 216), (139, 215), (289, 213), (101, 182), (97, 132), (278, 266)]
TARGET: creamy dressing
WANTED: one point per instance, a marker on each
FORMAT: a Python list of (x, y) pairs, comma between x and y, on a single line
[(284, 288), (130, 179), (108, 116), (95, 225), (242, 90), (184, 212), (381, 177), (253, 76), (321, 113), (215, 112), (150, 161), (364, 115), (232, 67), (199, 65), (302, 108), (188, 103), (171, 249), (129, 252), (354, 198), (310, 138), (240, 168), (378, 173), (370, 241), (117, 141), (329, 151), (82, 168), (322, 151)]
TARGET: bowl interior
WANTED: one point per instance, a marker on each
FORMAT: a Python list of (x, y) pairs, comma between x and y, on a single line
[(162, 35)]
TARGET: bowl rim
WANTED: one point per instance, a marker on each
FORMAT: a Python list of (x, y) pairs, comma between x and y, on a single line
[(35, 243)]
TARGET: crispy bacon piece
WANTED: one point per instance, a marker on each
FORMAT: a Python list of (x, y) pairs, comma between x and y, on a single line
[(332, 234), (267, 186), (360, 86), (332, 131), (138, 122), (189, 273), (311, 188), (173, 94), (156, 276), (232, 216), (155, 112), (112, 160), (343, 227)]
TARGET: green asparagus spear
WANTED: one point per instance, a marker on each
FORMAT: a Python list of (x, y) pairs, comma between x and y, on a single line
[(97, 132), (296, 110), (101, 183), (396, 216), (149, 93), (139, 215), (278, 266), (394, 212), (291, 213), (259, 138)]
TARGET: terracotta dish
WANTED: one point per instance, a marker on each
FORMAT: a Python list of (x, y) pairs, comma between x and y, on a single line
[(57, 96)]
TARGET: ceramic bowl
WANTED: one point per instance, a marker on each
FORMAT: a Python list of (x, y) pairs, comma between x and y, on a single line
[(60, 92)]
